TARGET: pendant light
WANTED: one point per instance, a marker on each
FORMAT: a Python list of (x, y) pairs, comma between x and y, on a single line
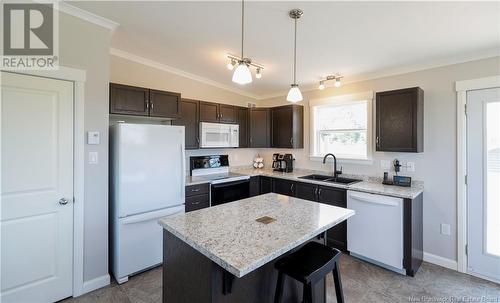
[(242, 74), (294, 94)]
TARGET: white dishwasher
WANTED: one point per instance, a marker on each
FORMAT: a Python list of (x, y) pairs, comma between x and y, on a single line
[(375, 233)]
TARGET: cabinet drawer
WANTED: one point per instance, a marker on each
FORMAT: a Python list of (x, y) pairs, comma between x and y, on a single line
[(198, 189), (197, 202)]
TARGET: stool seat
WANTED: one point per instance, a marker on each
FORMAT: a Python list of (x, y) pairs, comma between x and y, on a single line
[(308, 265)]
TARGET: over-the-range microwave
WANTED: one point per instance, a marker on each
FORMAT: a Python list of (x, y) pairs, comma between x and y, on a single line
[(214, 135)]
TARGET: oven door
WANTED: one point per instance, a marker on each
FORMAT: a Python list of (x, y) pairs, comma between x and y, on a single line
[(229, 191), (215, 135)]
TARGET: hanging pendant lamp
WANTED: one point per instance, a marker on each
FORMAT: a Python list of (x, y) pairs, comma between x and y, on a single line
[(242, 74), (294, 94)]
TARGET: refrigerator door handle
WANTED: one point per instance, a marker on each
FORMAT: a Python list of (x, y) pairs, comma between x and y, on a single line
[(183, 172), (152, 215)]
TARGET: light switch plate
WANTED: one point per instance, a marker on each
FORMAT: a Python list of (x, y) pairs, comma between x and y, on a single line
[(93, 158), (93, 138), (385, 164), (445, 229)]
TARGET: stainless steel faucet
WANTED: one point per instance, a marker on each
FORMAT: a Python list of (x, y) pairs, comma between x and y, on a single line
[(335, 172)]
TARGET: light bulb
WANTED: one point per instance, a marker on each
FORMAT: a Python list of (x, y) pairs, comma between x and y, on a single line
[(258, 74), (294, 94), (242, 74), (321, 85), (337, 82), (230, 65)]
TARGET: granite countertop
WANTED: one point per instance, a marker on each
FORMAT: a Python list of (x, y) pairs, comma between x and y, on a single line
[(368, 185), (228, 234)]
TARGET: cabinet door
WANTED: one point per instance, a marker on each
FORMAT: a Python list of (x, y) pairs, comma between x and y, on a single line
[(228, 113), (164, 104), (260, 127), (284, 187), (209, 112), (400, 120), (243, 123), (189, 119), (287, 126), (282, 127), (128, 100), (337, 235), (254, 186), (265, 185), (306, 191)]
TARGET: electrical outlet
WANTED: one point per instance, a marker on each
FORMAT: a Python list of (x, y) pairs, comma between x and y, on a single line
[(385, 164), (410, 166), (445, 229)]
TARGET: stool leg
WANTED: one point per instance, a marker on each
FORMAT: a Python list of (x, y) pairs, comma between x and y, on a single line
[(279, 288), (307, 293), (338, 284)]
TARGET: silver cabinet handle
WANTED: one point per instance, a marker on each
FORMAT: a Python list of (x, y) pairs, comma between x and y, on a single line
[(378, 141), (152, 105), (147, 103), (291, 141), (63, 201), (195, 190), (319, 193)]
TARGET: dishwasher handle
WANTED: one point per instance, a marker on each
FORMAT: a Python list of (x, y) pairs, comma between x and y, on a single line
[(375, 199)]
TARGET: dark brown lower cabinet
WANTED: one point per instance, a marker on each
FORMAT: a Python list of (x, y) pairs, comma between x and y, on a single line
[(266, 185), (254, 189), (197, 197), (284, 187), (337, 235)]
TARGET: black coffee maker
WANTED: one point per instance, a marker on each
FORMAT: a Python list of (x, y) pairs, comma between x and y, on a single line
[(283, 163)]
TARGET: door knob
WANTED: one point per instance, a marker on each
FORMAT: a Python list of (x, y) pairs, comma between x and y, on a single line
[(63, 201)]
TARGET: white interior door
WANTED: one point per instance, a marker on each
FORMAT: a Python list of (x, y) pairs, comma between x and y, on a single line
[(36, 189), (483, 182)]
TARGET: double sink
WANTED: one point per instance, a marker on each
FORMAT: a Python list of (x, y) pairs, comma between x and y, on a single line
[(330, 179)]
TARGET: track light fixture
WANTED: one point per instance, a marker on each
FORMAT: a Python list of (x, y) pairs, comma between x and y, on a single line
[(242, 74), (336, 77)]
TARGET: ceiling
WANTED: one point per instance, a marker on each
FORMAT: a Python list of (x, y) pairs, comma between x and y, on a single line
[(357, 39)]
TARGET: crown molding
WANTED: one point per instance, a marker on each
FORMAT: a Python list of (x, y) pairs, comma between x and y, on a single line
[(154, 64), (87, 16), (400, 70)]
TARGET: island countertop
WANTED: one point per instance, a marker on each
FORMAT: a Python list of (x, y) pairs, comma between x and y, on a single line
[(230, 236)]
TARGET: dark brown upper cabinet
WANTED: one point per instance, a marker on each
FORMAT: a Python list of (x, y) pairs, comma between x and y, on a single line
[(243, 123), (128, 100), (139, 101), (218, 113), (189, 119), (209, 112), (400, 120), (164, 104), (260, 127), (287, 126), (228, 113)]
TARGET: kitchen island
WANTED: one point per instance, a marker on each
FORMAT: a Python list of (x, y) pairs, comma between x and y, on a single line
[(226, 253)]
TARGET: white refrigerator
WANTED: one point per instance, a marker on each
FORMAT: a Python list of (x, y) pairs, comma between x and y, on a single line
[(147, 179)]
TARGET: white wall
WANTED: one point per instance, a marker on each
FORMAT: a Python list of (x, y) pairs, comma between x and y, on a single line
[(436, 166), (85, 46)]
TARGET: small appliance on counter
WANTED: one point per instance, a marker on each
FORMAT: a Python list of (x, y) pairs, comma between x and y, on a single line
[(283, 162), (397, 180)]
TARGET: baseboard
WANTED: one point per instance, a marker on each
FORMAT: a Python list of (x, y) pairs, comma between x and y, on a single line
[(444, 262), (96, 283)]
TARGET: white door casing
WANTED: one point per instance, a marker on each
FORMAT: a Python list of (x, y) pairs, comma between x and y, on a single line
[(483, 176), (37, 172)]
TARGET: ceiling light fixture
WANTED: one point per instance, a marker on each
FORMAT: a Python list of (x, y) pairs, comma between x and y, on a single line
[(242, 74), (294, 94), (336, 77)]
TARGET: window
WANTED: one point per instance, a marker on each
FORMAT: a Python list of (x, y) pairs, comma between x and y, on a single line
[(341, 127)]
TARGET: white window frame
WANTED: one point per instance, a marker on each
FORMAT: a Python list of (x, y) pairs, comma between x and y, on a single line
[(338, 100)]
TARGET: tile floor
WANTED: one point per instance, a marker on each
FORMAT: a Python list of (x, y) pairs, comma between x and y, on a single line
[(362, 282)]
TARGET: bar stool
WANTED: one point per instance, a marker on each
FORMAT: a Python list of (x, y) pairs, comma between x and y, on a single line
[(308, 265)]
